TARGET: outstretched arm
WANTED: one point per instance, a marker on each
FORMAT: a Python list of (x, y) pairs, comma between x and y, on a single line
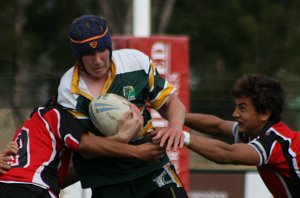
[(208, 124), (223, 153)]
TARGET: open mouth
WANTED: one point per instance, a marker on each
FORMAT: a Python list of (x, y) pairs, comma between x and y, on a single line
[(240, 123)]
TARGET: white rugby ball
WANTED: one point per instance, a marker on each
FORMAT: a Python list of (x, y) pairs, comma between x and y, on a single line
[(106, 111)]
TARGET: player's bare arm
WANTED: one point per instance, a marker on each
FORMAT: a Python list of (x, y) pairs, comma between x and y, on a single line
[(209, 124), (174, 111), (148, 152), (96, 146), (10, 149), (223, 153), (130, 124)]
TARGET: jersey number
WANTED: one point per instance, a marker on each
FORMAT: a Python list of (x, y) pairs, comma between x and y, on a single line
[(22, 158)]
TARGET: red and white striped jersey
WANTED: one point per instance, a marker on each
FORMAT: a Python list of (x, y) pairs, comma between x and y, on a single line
[(279, 150), (45, 143)]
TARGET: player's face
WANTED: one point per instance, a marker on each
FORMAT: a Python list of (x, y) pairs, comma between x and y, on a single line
[(248, 119), (97, 64)]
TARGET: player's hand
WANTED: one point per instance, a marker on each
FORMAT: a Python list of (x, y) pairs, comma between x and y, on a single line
[(11, 149), (4, 164), (169, 137), (130, 124), (149, 152)]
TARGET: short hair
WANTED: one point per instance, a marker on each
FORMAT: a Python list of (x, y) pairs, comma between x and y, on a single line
[(266, 94)]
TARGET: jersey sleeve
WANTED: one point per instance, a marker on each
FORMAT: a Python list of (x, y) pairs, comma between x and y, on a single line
[(264, 146), (71, 130), (65, 127), (159, 88)]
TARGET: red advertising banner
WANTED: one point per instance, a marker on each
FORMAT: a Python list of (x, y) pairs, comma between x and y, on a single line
[(171, 56)]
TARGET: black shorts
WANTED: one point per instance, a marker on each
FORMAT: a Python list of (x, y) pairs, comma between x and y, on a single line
[(13, 190), (164, 183)]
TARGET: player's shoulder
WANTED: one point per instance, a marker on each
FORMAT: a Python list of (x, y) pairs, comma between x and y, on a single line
[(50, 108), (127, 52), (130, 60), (67, 76), (58, 113)]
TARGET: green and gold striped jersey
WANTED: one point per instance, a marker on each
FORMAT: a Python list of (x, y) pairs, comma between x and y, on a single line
[(134, 77)]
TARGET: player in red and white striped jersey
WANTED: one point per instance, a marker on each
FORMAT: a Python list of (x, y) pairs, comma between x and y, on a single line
[(42, 157), (45, 143), (262, 139)]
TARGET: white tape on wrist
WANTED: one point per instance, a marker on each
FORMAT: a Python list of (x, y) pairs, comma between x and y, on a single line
[(187, 137)]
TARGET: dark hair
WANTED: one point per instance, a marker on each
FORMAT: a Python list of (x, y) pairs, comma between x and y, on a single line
[(266, 94)]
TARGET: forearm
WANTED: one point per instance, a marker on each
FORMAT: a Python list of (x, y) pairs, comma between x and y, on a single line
[(208, 124), (211, 149), (174, 111), (221, 152), (96, 146)]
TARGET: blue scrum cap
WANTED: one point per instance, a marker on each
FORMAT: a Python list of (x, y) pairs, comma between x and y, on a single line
[(88, 34)]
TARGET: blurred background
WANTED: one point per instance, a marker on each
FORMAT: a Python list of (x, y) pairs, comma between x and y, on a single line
[(226, 39)]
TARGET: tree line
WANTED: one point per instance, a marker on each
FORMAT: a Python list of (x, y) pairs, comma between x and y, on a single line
[(226, 38)]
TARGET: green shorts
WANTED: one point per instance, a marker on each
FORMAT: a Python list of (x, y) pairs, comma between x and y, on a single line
[(164, 183)]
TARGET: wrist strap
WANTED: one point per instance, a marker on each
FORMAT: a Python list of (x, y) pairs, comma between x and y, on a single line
[(187, 137)]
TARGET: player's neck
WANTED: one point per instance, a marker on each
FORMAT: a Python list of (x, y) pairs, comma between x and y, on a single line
[(94, 85)]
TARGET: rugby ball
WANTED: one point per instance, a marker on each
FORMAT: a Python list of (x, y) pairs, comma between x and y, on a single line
[(105, 112)]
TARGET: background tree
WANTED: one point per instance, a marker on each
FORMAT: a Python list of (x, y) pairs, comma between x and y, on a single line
[(230, 38), (35, 48)]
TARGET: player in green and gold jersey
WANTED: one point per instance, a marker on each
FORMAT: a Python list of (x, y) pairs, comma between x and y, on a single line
[(132, 75)]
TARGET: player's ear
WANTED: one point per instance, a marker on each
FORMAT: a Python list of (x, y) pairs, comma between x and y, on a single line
[(265, 116)]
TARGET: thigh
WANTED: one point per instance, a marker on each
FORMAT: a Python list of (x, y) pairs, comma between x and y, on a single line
[(22, 190), (169, 191), (164, 183), (168, 184), (122, 190)]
